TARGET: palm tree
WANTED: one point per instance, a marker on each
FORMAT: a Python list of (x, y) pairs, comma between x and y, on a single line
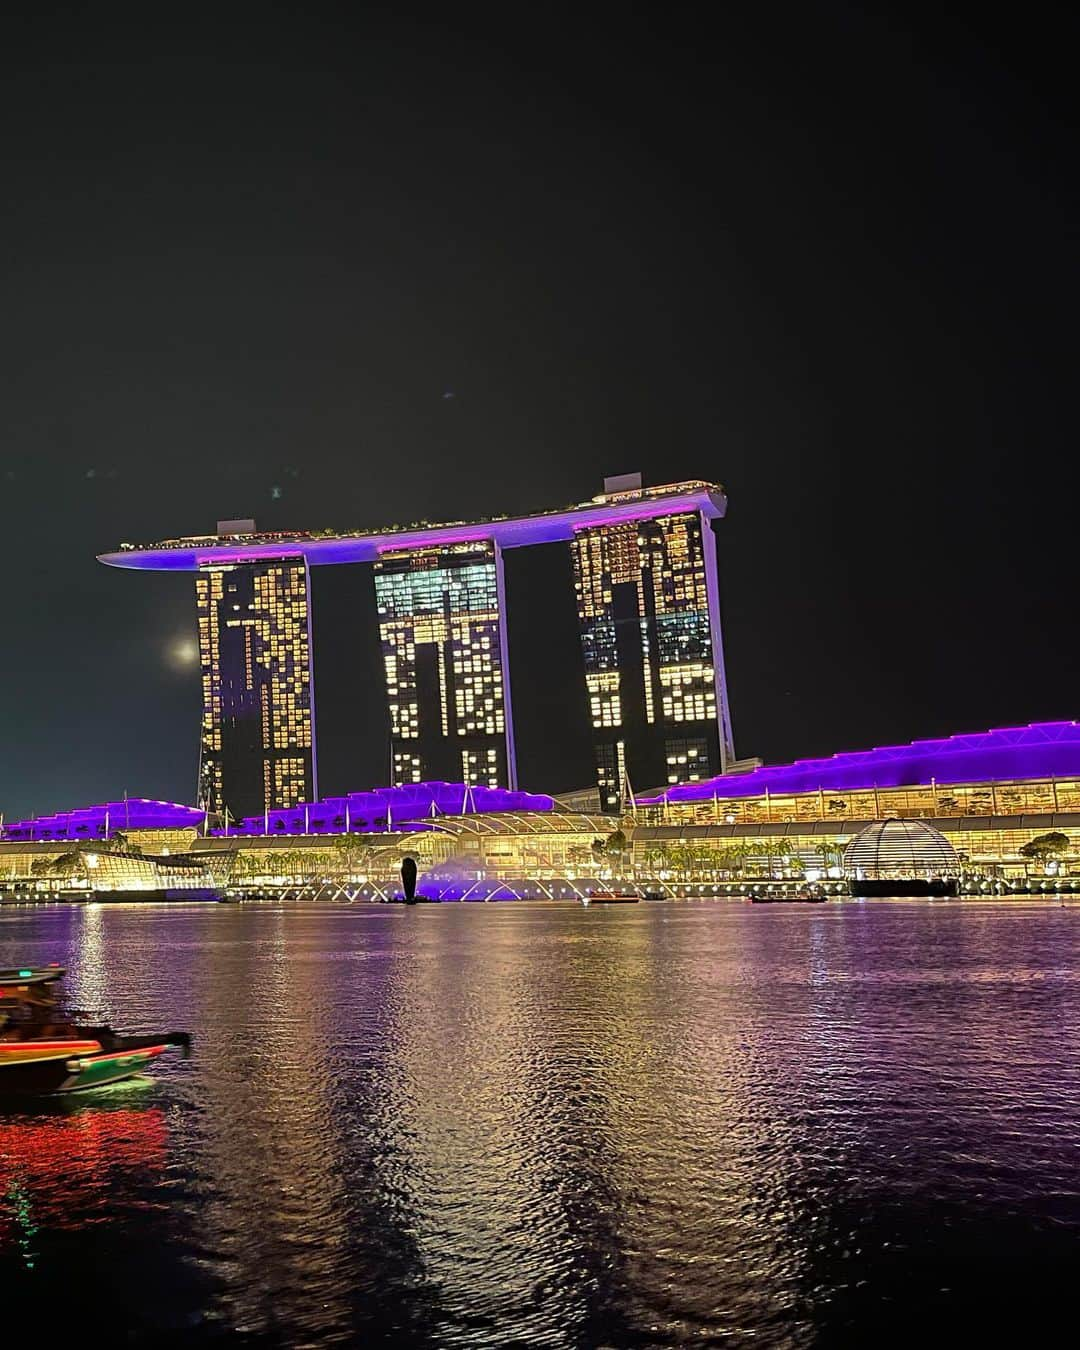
[(617, 848), (731, 858), (831, 852), (347, 851), (704, 862), (292, 861)]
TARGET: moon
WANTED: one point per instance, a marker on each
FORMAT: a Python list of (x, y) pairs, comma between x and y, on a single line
[(183, 652)]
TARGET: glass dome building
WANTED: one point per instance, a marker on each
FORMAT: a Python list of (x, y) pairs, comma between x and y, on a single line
[(901, 857)]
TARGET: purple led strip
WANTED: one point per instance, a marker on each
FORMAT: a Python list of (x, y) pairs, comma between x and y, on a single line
[(1040, 750)]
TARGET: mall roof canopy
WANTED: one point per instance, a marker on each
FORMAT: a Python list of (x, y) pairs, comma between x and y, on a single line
[(547, 527), (514, 823), (98, 822), (1040, 750), (389, 808)]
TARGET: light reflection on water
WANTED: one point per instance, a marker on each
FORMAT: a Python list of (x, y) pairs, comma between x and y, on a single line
[(545, 1125)]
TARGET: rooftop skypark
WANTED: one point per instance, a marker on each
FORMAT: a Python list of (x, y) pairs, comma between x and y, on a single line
[(330, 546)]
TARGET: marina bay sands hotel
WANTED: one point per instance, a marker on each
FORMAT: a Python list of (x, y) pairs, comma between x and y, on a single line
[(645, 582)]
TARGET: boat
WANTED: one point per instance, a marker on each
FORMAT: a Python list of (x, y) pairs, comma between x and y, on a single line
[(654, 893), (44, 1052), (614, 897), (796, 898), (167, 895), (904, 887), (29, 892)]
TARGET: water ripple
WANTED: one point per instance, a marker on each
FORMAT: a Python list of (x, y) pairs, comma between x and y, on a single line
[(544, 1126)]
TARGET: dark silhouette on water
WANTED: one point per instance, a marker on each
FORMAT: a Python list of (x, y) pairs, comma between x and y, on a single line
[(408, 879), (408, 882)]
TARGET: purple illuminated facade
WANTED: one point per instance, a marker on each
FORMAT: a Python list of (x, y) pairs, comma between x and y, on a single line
[(373, 811), (405, 807), (102, 822), (549, 527), (1039, 751)]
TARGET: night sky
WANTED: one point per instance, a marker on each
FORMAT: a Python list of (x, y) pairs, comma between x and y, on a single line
[(357, 271)]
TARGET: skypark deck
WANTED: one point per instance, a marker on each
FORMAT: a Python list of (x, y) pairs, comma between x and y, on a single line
[(546, 527)]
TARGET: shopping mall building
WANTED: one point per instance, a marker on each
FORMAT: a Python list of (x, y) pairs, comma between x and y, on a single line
[(990, 794)]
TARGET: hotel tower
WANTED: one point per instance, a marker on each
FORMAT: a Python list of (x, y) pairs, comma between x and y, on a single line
[(648, 608), (447, 689), (257, 748), (650, 635)]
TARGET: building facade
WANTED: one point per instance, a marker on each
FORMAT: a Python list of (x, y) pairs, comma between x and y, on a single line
[(647, 600), (648, 611), (257, 737), (444, 653), (1007, 801), (992, 794)]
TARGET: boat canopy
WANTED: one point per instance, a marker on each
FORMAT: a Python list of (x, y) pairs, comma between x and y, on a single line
[(30, 975)]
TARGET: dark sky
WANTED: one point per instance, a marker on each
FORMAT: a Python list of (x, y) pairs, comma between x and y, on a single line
[(827, 260)]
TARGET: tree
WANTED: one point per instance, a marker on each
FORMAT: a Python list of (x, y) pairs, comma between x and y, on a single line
[(654, 858), (703, 860), (1046, 846), (616, 842), (678, 858), (348, 851), (122, 840), (292, 860), (617, 846), (250, 864), (757, 848), (692, 860), (731, 858)]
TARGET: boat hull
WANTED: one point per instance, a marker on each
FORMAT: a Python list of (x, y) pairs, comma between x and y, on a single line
[(57, 1070), (906, 887), (159, 897), (788, 899)]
